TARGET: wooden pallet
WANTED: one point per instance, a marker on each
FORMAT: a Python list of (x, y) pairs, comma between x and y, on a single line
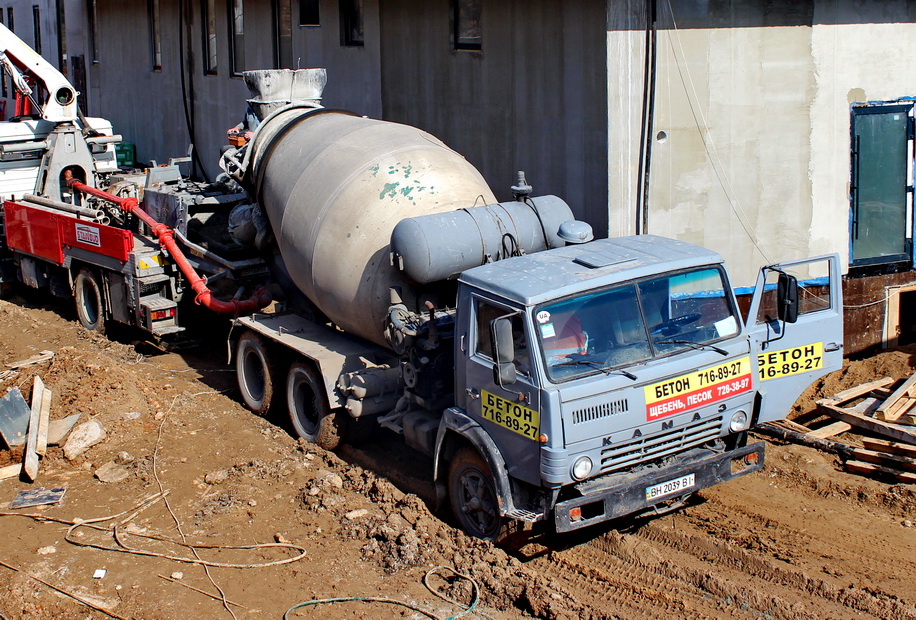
[(896, 407), (877, 411), (895, 460)]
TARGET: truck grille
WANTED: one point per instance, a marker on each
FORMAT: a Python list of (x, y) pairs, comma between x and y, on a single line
[(587, 414), (644, 449)]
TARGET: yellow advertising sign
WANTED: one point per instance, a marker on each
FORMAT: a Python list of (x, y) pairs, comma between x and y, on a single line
[(507, 414), (775, 364), (698, 389)]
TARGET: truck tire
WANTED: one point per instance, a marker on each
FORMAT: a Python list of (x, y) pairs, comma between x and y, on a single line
[(473, 496), (309, 411), (255, 372), (87, 293)]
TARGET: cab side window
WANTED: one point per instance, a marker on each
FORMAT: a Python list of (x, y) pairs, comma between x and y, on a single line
[(484, 348)]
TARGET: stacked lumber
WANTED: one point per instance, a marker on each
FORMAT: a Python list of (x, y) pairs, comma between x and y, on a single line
[(870, 408)]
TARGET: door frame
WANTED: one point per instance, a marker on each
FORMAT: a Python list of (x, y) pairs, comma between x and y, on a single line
[(883, 107)]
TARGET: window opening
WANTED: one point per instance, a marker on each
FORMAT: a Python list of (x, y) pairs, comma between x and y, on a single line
[(155, 35), (486, 313), (36, 27), (93, 32), (466, 25), (309, 13), (881, 185), (813, 290), (62, 61), (237, 36), (283, 34), (208, 18), (351, 23)]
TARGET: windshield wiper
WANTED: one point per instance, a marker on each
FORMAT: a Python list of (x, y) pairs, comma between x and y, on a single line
[(597, 366), (693, 345)]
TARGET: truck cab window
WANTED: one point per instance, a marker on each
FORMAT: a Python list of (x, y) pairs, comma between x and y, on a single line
[(813, 290), (602, 330), (483, 347)]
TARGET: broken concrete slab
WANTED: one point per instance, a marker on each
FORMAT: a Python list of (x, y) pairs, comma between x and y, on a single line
[(83, 437), (59, 429), (14, 418), (111, 473)]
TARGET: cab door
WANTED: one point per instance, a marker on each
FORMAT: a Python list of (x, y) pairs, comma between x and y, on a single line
[(510, 414), (787, 357)]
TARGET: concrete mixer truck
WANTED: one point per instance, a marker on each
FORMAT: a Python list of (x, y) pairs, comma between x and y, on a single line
[(549, 376)]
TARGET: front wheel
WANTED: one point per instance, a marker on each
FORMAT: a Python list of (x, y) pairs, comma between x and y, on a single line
[(87, 292), (309, 411), (473, 496)]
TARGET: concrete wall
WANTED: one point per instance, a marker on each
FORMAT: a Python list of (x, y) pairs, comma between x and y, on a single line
[(532, 99), (754, 98)]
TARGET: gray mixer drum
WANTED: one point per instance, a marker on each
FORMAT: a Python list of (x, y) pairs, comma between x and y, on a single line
[(334, 186)]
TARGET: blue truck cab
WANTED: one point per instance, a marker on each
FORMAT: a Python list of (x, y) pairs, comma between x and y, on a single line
[(619, 376)]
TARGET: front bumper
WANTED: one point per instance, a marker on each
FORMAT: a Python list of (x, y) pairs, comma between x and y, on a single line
[(617, 495)]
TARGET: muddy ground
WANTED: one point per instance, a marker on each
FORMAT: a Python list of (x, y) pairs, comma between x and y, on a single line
[(801, 539)]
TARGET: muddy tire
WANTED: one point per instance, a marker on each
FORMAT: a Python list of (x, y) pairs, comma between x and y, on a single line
[(472, 493), (309, 411), (90, 308), (255, 371)]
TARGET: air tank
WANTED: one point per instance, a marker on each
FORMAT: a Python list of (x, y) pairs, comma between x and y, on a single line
[(334, 185)]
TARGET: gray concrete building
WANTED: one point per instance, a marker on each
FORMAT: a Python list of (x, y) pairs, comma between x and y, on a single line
[(764, 130)]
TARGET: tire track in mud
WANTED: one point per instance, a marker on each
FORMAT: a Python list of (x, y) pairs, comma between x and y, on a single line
[(681, 574)]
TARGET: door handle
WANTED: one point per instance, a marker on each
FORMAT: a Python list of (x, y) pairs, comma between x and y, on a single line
[(473, 393), (832, 347)]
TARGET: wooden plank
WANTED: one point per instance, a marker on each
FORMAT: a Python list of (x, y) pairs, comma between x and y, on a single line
[(10, 471), (793, 426), (30, 460), (35, 359), (886, 429), (860, 390), (830, 430), (889, 446), (805, 439), (883, 458), (867, 468), (898, 394), (900, 408), (44, 421)]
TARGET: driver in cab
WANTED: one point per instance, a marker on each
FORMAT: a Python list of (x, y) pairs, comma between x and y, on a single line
[(563, 336)]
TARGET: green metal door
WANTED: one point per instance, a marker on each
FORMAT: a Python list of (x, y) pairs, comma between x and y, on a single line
[(880, 189)]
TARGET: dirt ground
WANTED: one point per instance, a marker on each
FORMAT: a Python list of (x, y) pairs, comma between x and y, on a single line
[(801, 539)]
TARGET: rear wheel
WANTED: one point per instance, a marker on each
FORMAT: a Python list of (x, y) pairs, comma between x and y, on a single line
[(473, 496), (87, 293), (309, 411), (255, 372)]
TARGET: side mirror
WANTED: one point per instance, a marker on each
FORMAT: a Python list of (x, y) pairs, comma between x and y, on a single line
[(787, 298), (503, 351)]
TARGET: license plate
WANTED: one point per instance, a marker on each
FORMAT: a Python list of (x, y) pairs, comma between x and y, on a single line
[(670, 487)]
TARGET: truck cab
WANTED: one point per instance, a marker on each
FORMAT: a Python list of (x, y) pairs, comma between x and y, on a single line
[(618, 376)]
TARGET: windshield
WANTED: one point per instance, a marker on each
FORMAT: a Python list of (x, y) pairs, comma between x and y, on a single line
[(602, 330)]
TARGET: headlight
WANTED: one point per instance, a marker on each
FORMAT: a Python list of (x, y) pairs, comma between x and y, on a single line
[(738, 421), (582, 468)]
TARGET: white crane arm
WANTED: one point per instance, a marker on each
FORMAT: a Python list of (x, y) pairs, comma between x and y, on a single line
[(60, 105)]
